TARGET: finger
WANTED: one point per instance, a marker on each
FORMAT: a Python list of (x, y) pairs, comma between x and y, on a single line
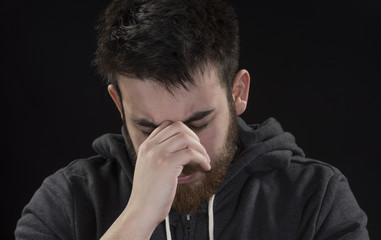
[(182, 141), (189, 155), (160, 128), (172, 130)]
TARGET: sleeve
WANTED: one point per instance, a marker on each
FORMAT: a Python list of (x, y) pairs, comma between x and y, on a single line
[(49, 214), (340, 216)]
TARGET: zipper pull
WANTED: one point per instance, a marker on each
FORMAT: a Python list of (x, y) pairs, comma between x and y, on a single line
[(188, 224)]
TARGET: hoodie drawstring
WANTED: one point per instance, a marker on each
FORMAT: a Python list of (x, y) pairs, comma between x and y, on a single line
[(167, 228), (211, 217), (210, 222)]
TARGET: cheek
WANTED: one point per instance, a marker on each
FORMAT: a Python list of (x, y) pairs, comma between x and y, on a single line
[(212, 140), (214, 137), (136, 137)]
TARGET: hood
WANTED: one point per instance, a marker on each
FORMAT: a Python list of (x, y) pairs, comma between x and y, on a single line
[(262, 147), (114, 146), (265, 146)]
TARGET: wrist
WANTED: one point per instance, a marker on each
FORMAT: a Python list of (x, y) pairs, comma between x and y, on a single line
[(131, 224)]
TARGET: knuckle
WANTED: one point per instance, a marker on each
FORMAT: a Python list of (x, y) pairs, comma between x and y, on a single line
[(179, 123), (182, 135), (181, 126), (191, 152), (144, 147)]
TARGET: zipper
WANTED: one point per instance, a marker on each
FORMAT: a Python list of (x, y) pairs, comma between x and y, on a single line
[(187, 226)]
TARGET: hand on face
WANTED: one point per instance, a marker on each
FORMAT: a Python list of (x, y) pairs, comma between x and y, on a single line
[(160, 161)]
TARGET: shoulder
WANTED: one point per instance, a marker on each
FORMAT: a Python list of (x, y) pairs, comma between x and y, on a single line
[(90, 179), (311, 175), (321, 185), (302, 179), (80, 172), (74, 191), (88, 168), (336, 210), (312, 168), (81, 180)]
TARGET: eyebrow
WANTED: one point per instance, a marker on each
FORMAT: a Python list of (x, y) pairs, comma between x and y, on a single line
[(194, 117)]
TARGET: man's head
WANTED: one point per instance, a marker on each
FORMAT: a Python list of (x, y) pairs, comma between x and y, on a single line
[(203, 107), (173, 60)]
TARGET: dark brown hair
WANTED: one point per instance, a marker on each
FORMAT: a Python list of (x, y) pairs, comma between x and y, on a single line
[(167, 41)]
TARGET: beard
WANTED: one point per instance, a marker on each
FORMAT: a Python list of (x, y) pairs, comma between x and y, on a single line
[(190, 196)]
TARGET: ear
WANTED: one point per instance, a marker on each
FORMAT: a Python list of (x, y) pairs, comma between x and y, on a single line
[(240, 92), (115, 97)]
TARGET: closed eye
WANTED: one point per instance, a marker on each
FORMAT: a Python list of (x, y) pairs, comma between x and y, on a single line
[(146, 133), (195, 129)]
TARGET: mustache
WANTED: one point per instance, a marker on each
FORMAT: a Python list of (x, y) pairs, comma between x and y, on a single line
[(191, 168)]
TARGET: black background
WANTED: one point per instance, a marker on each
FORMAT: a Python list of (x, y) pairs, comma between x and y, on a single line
[(315, 66)]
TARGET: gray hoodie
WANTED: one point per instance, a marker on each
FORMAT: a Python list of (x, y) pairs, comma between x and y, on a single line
[(271, 192)]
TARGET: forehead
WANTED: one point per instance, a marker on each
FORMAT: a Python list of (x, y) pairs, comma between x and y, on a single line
[(150, 100)]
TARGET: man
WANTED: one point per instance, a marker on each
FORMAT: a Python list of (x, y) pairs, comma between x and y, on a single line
[(185, 166)]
